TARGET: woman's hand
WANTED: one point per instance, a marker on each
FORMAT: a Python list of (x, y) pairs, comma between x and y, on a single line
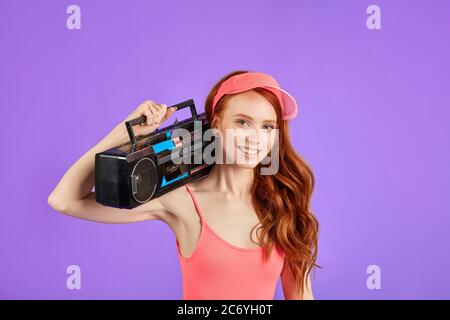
[(155, 113)]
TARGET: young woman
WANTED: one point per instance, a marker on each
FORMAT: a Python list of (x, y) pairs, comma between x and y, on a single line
[(237, 230)]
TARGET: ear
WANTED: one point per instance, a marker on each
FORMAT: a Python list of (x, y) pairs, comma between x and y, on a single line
[(215, 122)]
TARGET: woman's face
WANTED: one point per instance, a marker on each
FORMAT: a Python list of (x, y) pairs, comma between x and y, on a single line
[(248, 126)]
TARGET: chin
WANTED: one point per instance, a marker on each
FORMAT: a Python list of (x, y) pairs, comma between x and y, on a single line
[(249, 165)]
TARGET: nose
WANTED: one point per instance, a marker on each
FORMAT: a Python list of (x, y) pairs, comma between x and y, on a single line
[(252, 141)]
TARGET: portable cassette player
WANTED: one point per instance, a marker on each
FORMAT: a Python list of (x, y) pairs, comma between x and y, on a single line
[(150, 166)]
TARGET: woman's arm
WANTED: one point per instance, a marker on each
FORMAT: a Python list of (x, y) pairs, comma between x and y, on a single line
[(73, 195), (290, 288)]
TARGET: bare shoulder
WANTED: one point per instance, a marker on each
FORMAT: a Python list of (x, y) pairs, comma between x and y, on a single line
[(171, 200), (179, 204)]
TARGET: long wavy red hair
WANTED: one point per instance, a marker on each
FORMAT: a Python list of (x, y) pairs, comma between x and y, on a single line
[(281, 200)]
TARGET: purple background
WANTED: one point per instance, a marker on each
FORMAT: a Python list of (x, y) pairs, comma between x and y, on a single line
[(374, 124)]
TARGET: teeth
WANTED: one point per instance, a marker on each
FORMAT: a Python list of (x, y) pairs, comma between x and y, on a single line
[(249, 151)]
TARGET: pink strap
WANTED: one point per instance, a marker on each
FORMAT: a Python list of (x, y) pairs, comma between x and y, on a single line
[(195, 202)]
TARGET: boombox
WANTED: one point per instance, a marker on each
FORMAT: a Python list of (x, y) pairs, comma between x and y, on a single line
[(152, 165)]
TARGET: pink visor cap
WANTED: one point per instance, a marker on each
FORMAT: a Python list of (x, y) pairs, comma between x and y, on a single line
[(246, 81)]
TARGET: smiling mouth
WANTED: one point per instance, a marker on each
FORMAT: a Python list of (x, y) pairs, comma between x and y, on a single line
[(249, 151)]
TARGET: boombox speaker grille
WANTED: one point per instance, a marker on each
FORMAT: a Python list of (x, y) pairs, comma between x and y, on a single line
[(144, 179)]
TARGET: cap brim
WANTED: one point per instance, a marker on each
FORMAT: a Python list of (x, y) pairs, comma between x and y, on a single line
[(290, 109)]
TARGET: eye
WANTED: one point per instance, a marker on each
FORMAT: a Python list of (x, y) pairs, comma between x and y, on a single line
[(269, 127), (241, 122)]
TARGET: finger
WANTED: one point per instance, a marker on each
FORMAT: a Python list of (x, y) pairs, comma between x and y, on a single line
[(168, 113), (161, 111), (157, 112), (149, 114), (139, 111)]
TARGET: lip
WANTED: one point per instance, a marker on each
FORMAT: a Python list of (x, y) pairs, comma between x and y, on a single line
[(251, 152)]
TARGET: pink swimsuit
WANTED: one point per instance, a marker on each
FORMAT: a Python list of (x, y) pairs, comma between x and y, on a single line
[(218, 270)]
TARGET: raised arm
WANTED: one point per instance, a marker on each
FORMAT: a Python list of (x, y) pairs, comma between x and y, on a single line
[(73, 195)]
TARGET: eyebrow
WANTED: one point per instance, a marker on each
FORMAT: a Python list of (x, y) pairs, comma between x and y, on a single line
[(250, 118)]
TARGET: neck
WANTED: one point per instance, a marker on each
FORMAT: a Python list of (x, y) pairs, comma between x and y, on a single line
[(235, 181)]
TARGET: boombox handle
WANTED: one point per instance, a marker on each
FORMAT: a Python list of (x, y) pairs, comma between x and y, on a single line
[(129, 124)]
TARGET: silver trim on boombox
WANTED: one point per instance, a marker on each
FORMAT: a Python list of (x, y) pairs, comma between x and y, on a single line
[(133, 189)]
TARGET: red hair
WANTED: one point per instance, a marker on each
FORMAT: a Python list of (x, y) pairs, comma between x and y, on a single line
[(281, 200)]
